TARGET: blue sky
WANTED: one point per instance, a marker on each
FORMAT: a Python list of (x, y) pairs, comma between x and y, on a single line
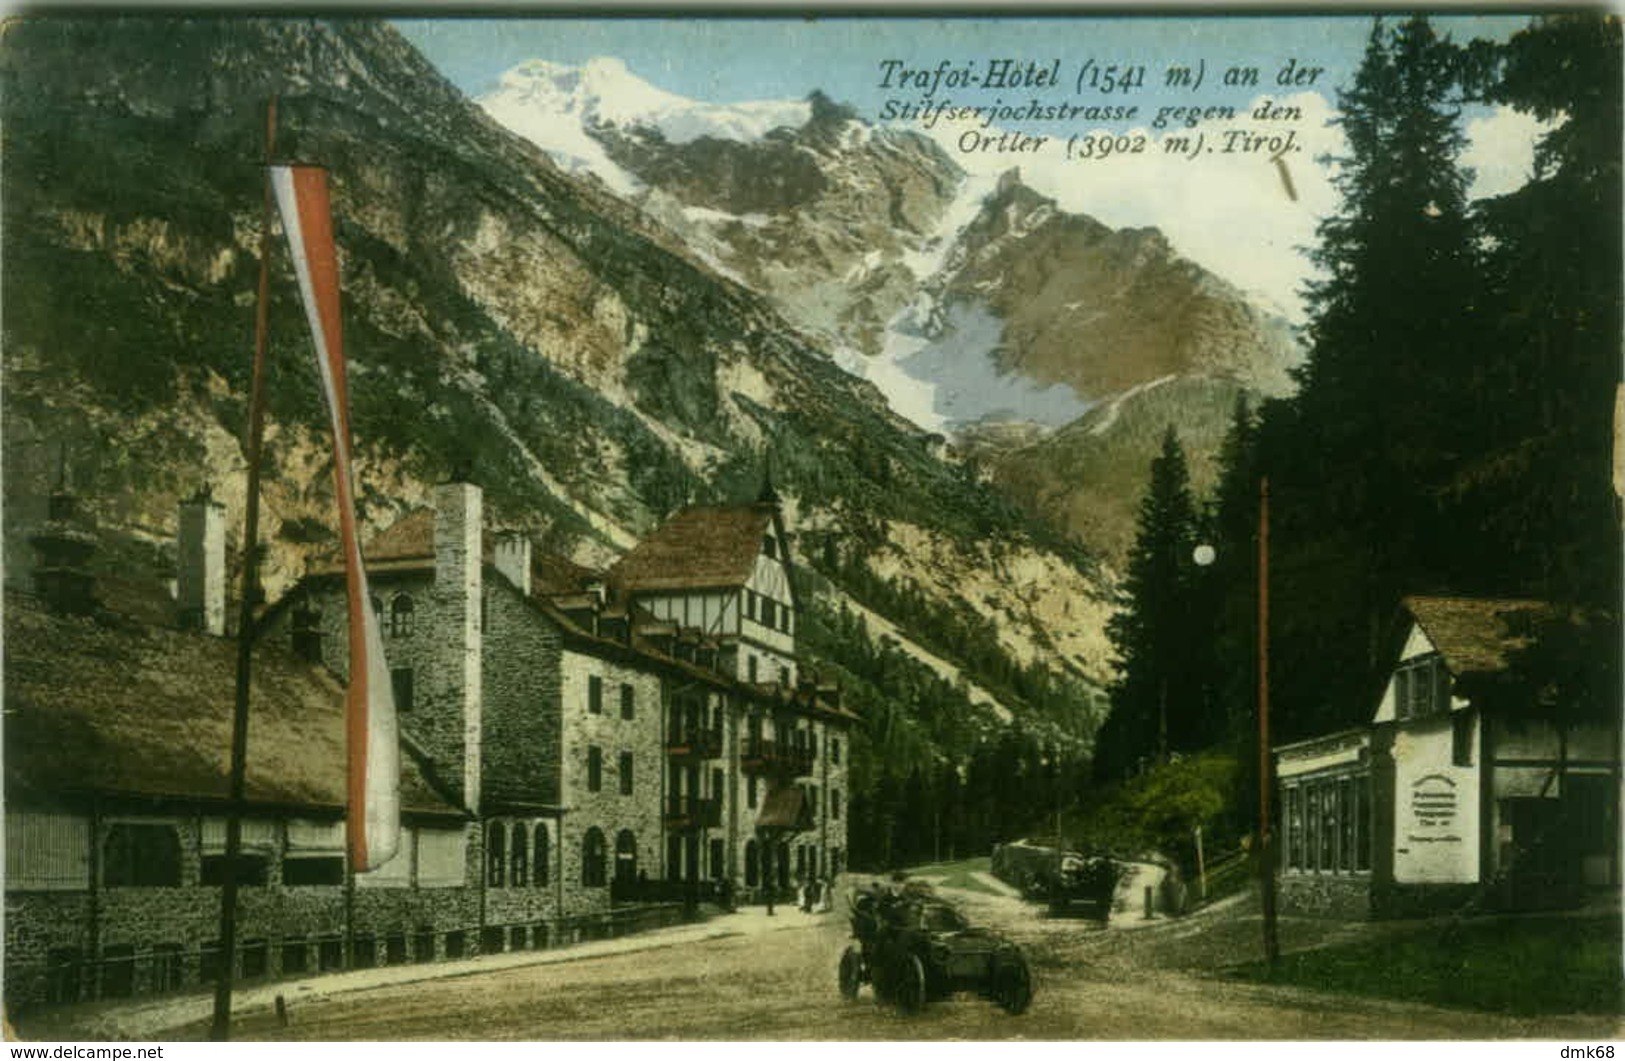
[(724, 60)]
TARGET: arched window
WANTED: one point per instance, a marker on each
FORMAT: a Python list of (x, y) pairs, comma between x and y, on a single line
[(541, 859), (496, 853), (752, 873), (401, 615), (519, 874), (593, 871), (626, 856)]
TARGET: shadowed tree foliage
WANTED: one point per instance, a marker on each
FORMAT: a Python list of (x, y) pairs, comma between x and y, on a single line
[(1161, 702)]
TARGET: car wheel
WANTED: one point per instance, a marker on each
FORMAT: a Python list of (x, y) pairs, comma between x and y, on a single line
[(908, 984), (851, 974), (1013, 985)]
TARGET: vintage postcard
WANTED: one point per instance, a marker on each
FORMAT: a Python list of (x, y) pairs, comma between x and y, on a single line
[(748, 527)]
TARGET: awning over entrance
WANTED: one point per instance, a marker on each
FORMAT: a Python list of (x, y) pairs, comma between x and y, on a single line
[(784, 808)]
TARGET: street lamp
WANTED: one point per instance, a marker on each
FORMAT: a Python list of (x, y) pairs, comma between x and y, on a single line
[(1204, 555)]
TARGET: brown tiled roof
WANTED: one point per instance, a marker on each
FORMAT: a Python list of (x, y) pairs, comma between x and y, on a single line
[(408, 542), (555, 576), (698, 548), (112, 706), (410, 537), (1473, 634)]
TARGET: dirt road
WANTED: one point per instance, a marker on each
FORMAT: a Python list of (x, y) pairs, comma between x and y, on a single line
[(747, 976)]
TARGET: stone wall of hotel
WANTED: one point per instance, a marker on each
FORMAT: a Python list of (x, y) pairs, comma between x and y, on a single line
[(522, 685), (609, 809)]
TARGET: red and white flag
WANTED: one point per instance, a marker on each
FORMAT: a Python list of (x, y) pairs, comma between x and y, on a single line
[(374, 750)]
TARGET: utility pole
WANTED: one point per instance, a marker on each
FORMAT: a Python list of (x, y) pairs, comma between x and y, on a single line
[(220, 1025), (1266, 854)]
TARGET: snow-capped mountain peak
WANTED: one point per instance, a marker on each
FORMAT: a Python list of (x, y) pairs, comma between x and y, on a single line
[(557, 107)]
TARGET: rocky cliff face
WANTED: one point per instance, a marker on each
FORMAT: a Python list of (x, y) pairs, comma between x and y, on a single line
[(503, 317), (799, 200)]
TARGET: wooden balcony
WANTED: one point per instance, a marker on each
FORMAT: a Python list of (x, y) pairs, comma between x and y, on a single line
[(692, 812), (695, 744), (783, 760)]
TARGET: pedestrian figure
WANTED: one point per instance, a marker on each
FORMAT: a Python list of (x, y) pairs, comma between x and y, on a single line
[(825, 896)]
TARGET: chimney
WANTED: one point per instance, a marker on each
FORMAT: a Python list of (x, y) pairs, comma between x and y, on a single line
[(453, 735), (200, 577), (513, 559)]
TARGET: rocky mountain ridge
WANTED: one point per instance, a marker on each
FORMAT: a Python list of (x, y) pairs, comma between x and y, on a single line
[(503, 317), (968, 302)]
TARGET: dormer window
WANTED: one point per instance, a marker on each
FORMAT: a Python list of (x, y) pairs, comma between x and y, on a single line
[(769, 546)]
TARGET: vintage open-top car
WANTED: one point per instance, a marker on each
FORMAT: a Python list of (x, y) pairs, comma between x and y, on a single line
[(913, 947)]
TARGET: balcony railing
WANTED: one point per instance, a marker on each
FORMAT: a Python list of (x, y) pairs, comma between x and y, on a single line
[(695, 744), (693, 812), (771, 757)]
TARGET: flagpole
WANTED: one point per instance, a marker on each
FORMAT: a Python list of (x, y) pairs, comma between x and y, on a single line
[(220, 1030)]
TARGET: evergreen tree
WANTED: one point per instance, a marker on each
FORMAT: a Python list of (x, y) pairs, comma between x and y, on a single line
[(1161, 645), (1361, 459), (1539, 487)]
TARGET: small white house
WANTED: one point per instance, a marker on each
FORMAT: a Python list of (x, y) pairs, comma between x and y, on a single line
[(1462, 793)]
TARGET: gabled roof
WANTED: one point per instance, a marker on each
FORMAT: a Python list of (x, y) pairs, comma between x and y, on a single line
[(108, 705), (1475, 635), (706, 547)]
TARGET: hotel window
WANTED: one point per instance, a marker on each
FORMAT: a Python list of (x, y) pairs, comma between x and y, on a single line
[(628, 701), (750, 792), (595, 694), (520, 873), (595, 769), (540, 859), (496, 854), (402, 616), (751, 666), (1421, 687), (767, 546), (626, 857), (594, 874), (1294, 828), (835, 751), (1345, 823), (1328, 828), (768, 616), (835, 804), (626, 773), (1362, 840), (400, 682), (1311, 821), (141, 856)]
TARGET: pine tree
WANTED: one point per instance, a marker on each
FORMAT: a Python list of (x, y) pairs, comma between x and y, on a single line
[(1539, 488), (1361, 459), (1159, 642)]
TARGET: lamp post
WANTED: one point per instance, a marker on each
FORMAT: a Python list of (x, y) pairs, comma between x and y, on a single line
[(1203, 555)]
